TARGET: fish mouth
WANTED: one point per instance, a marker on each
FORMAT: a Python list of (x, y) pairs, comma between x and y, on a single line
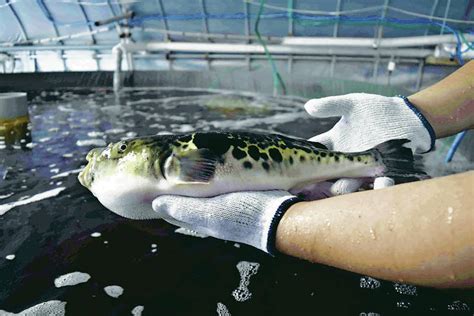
[(86, 176)]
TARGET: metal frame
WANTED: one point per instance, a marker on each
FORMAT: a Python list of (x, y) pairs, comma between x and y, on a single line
[(56, 34), (22, 29), (433, 10), (446, 12), (94, 41)]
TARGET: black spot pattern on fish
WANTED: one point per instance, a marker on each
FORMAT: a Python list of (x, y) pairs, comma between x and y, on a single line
[(247, 165), (238, 154), (323, 154), (302, 158), (216, 142), (350, 158), (336, 158), (265, 165), (254, 152), (264, 156), (186, 138), (359, 158), (291, 160), (275, 154)]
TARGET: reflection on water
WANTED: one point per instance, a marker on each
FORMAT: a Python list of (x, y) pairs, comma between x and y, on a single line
[(51, 226)]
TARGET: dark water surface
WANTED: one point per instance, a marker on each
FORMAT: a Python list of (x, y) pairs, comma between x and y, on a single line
[(165, 272)]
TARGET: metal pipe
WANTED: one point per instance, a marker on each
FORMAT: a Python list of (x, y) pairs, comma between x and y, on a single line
[(118, 52), (411, 41), (54, 47), (273, 49)]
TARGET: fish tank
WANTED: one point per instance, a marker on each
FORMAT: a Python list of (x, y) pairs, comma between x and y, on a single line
[(62, 252)]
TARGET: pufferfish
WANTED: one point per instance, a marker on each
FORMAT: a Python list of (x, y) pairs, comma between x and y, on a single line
[(128, 175)]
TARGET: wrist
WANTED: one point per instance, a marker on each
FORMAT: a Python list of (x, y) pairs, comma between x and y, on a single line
[(275, 221), (423, 120)]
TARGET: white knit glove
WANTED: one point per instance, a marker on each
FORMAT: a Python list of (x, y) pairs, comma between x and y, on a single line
[(368, 120), (246, 217)]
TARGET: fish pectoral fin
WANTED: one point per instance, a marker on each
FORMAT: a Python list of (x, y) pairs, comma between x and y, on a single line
[(192, 166)]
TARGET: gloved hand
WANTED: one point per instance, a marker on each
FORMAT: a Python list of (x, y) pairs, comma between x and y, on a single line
[(368, 120), (246, 217)]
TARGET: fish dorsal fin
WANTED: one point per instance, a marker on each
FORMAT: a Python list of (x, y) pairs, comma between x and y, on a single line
[(318, 145), (191, 166)]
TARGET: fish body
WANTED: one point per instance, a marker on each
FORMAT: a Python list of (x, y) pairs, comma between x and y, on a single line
[(127, 176)]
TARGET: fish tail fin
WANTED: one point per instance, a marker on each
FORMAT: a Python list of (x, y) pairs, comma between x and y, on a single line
[(399, 161)]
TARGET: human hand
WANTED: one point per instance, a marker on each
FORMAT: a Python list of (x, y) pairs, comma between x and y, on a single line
[(246, 217), (368, 120)]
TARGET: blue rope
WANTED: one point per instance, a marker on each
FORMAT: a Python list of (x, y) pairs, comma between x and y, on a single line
[(454, 146)]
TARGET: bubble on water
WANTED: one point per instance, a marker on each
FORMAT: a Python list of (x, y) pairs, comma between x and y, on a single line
[(367, 282), (403, 304), (154, 245), (91, 142), (406, 289), (131, 134), (236, 245), (222, 310), (369, 314), (246, 270), (54, 308), (113, 290), (95, 134), (115, 131), (96, 234), (137, 310), (71, 279), (10, 257), (458, 306)]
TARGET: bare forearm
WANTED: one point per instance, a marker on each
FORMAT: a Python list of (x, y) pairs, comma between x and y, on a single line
[(421, 233), (449, 104)]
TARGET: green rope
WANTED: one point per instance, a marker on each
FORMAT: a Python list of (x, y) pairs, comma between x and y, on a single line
[(465, 41), (277, 80)]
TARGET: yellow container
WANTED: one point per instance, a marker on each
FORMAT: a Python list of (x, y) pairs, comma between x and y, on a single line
[(14, 118)]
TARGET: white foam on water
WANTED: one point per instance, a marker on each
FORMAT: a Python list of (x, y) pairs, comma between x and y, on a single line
[(96, 234), (403, 304), (458, 306), (222, 310), (49, 308), (95, 134), (406, 289), (71, 279), (115, 131), (246, 270), (367, 282), (10, 257), (35, 198), (91, 142), (113, 290), (137, 310), (66, 173), (188, 232), (4, 196)]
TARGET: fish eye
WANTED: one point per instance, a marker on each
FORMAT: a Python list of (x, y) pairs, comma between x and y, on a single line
[(122, 147)]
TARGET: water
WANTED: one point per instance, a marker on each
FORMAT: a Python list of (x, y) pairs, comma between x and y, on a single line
[(51, 226)]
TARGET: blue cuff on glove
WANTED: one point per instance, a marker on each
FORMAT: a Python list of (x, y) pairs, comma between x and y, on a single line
[(423, 120)]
